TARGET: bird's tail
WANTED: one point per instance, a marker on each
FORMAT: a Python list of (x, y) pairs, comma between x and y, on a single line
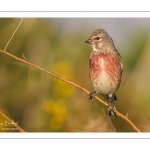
[(111, 104)]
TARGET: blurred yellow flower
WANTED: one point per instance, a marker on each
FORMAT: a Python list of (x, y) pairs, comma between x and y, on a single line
[(57, 113)]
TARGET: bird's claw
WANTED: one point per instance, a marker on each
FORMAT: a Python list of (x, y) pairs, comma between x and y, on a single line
[(111, 111), (92, 94)]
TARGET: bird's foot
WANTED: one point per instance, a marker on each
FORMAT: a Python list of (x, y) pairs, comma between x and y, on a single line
[(92, 94), (111, 110)]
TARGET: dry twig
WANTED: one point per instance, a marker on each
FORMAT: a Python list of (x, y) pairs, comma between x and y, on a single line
[(13, 34), (10, 120)]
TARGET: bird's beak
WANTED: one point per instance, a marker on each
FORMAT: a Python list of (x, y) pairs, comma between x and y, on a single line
[(88, 41)]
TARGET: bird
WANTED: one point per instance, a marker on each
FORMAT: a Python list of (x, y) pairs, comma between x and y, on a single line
[(105, 68)]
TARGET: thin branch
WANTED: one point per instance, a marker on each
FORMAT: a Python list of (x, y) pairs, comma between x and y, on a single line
[(13, 34), (10, 120), (73, 84)]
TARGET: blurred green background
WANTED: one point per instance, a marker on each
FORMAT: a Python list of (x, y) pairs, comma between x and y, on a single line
[(41, 103)]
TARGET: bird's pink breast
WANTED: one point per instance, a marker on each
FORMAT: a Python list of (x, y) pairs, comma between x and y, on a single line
[(102, 65)]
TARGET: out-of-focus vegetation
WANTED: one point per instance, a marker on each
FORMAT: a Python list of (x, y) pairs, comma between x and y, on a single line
[(41, 103)]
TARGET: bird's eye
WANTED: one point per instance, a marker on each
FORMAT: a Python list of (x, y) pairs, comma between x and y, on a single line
[(97, 38)]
